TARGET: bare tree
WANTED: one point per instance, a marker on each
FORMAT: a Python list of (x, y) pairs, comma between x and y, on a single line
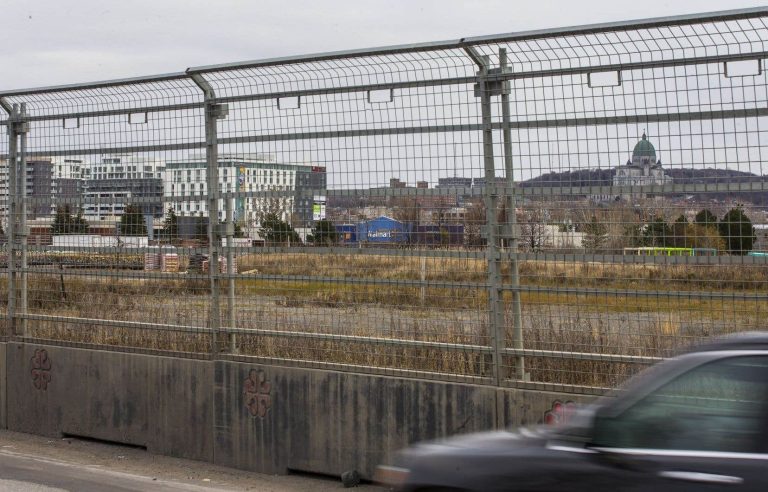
[(474, 221), (533, 228)]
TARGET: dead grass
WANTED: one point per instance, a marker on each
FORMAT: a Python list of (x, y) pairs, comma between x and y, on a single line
[(647, 325)]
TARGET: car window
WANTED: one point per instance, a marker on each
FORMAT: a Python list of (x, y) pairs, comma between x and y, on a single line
[(719, 406)]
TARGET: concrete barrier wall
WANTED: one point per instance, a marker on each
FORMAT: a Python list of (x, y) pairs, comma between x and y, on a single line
[(330, 422), (162, 403), (257, 417)]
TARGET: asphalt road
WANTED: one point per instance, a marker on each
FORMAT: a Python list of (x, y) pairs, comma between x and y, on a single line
[(37, 464), (23, 472)]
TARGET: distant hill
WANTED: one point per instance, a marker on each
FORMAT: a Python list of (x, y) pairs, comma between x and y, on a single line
[(604, 177)]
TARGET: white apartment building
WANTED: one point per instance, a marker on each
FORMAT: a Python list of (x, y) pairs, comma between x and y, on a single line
[(237, 174), (126, 166), (118, 179)]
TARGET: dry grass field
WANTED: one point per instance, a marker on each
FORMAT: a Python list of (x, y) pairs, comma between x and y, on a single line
[(370, 296)]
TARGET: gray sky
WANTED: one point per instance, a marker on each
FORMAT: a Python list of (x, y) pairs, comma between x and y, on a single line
[(52, 42)]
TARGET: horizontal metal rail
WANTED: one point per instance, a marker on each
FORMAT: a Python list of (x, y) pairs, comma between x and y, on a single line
[(665, 294), (557, 387), (752, 184), (97, 85), (636, 259), (645, 118), (115, 348), (259, 250), (355, 368), (476, 127), (138, 275), (155, 147), (413, 252), (414, 84), (86, 271), (559, 354), (628, 67), (136, 325), (378, 341), (116, 112)]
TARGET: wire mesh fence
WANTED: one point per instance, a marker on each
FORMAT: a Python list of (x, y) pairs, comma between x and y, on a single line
[(555, 209)]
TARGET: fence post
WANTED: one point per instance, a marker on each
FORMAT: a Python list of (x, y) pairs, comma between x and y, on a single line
[(12, 197), (22, 127), (213, 112), (511, 226), (230, 232), (484, 89)]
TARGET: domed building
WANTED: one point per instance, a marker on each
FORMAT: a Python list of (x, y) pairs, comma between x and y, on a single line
[(644, 169)]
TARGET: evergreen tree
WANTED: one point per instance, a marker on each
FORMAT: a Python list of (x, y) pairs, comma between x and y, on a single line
[(132, 222), (595, 235), (324, 233), (274, 230), (679, 228), (705, 218), (657, 233), (737, 231), (66, 223)]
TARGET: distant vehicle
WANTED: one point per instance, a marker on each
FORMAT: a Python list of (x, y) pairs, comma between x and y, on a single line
[(697, 422)]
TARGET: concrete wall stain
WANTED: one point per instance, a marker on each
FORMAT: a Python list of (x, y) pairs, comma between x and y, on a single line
[(257, 391), (41, 369)]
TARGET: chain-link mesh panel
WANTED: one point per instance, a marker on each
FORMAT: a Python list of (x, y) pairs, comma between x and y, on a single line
[(552, 209), (104, 258), (4, 332)]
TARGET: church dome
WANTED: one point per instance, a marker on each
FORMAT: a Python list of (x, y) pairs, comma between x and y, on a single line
[(644, 149)]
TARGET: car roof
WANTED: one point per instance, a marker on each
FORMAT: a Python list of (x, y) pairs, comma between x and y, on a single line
[(738, 341)]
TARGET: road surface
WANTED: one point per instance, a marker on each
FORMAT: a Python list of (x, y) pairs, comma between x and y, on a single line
[(37, 464)]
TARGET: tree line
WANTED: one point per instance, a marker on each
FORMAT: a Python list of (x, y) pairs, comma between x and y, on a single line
[(733, 233)]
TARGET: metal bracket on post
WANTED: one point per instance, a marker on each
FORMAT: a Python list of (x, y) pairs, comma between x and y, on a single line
[(213, 112)]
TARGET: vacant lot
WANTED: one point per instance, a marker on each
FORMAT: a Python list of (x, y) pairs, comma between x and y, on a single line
[(647, 310)]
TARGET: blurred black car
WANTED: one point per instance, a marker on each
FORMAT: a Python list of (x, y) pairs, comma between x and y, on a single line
[(697, 422)]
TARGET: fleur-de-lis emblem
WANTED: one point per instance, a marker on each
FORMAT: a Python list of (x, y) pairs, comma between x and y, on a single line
[(257, 393), (560, 413), (41, 369)]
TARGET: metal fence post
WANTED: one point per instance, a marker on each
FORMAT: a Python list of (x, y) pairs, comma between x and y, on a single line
[(12, 194), (230, 232), (511, 233), (22, 127), (213, 112), (484, 89)]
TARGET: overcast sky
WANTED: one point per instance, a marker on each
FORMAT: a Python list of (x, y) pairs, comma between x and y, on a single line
[(52, 42)]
